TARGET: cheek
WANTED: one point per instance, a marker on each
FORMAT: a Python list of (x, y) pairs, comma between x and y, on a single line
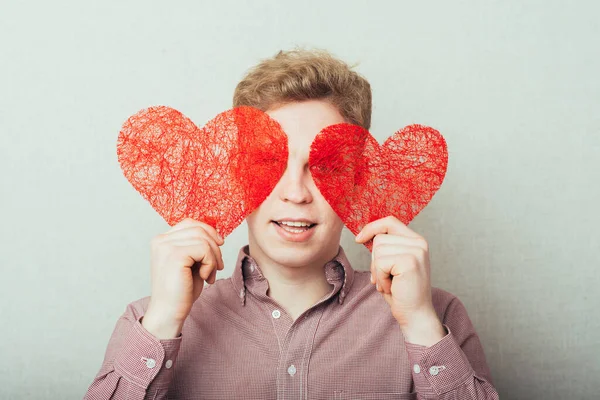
[(333, 220), (252, 218), (332, 217), (338, 223)]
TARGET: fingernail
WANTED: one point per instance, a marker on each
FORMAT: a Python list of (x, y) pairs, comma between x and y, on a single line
[(372, 280), (377, 286), (358, 237)]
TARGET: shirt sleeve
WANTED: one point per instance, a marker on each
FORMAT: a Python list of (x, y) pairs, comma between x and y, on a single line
[(136, 365), (455, 367)]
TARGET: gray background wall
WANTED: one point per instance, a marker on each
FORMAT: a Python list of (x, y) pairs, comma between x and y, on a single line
[(512, 85)]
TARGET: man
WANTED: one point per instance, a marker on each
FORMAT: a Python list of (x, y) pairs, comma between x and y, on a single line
[(295, 320)]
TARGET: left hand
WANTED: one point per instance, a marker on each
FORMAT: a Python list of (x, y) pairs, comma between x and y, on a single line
[(401, 271)]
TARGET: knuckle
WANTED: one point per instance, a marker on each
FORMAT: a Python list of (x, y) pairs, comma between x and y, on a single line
[(379, 250), (188, 222), (376, 248), (198, 230), (377, 255), (205, 245), (380, 271), (181, 223), (157, 239), (172, 251), (197, 233), (207, 250), (412, 262)]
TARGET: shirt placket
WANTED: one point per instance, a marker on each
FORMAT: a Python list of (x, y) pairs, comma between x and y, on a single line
[(294, 338), (294, 357)]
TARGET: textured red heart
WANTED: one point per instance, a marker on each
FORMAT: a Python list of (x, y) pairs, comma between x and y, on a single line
[(363, 181), (218, 174)]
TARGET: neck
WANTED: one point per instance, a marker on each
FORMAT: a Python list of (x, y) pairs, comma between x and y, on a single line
[(295, 288), (296, 293)]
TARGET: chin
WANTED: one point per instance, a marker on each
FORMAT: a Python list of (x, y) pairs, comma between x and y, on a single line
[(269, 240), (295, 257), (294, 254)]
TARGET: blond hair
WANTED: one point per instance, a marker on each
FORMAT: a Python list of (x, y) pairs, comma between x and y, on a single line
[(297, 75)]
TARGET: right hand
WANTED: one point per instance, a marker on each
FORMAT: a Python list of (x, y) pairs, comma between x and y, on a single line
[(182, 259)]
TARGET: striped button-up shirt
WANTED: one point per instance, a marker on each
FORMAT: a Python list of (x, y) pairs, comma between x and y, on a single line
[(238, 343)]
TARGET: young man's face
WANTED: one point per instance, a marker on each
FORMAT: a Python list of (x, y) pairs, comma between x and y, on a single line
[(295, 200)]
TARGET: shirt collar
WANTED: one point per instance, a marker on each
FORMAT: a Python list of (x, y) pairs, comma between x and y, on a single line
[(338, 272)]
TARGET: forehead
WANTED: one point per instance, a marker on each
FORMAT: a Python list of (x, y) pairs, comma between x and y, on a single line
[(302, 121)]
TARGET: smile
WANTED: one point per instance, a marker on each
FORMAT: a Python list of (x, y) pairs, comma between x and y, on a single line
[(294, 231)]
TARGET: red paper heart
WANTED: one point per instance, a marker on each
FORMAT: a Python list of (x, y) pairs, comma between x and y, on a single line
[(218, 174), (363, 181)]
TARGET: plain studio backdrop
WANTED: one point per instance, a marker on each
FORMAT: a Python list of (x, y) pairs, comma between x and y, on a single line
[(513, 87)]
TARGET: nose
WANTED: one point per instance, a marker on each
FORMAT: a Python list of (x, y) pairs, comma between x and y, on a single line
[(294, 185)]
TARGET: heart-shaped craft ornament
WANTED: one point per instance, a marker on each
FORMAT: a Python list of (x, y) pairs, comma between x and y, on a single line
[(363, 181), (217, 174)]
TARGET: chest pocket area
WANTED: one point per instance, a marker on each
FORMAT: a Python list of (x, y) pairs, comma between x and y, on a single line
[(342, 395)]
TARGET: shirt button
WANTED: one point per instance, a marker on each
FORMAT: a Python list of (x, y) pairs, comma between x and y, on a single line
[(292, 370), (169, 364), (276, 314), (434, 370), (150, 363), (416, 368)]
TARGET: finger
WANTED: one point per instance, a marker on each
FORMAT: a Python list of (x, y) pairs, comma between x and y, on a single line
[(383, 279), (396, 249), (383, 239), (391, 225), (372, 268), (184, 223), (198, 281), (391, 266), (213, 246), (387, 245), (188, 235), (219, 256), (213, 276), (388, 298), (192, 232), (189, 223), (208, 265), (199, 253)]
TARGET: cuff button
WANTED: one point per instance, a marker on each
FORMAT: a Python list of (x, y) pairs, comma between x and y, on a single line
[(436, 369), (150, 363)]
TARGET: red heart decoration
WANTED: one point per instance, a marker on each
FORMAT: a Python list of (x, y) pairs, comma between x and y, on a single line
[(363, 181), (218, 174)]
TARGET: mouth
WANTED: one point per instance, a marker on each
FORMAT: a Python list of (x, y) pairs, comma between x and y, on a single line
[(295, 230)]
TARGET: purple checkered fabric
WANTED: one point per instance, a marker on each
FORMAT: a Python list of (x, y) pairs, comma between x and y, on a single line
[(237, 343)]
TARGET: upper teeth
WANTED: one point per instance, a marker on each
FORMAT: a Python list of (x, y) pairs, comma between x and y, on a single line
[(293, 223)]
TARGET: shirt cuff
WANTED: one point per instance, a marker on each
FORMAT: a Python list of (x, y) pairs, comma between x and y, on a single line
[(145, 359), (440, 368)]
